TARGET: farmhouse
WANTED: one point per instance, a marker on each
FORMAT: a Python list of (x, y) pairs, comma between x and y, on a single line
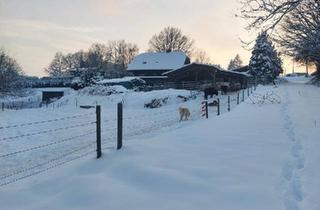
[(174, 70), (151, 66)]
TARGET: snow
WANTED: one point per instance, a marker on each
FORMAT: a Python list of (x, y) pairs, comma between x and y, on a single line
[(158, 61), (118, 80), (255, 157), (153, 77), (298, 79)]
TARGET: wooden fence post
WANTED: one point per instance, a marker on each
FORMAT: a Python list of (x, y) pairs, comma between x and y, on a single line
[(2, 106), (218, 106), (228, 103), (242, 95), (238, 98), (120, 125), (98, 118), (248, 92)]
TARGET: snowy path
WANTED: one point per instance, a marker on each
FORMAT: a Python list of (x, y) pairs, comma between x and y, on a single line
[(301, 170), (255, 157), (291, 169)]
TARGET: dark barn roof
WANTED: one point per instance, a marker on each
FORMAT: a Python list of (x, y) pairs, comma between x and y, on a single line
[(241, 69), (201, 72)]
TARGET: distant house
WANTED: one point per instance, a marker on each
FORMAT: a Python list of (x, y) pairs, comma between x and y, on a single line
[(151, 66)]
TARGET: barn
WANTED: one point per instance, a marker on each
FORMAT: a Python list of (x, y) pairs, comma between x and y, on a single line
[(151, 66), (201, 76)]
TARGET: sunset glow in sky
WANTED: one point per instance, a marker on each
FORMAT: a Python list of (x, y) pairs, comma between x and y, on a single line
[(33, 30)]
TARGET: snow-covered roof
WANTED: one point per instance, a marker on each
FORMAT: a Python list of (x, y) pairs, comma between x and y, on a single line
[(158, 61), (118, 80), (153, 77)]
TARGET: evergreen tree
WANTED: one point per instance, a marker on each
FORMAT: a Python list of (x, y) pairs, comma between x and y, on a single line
[(235, 63), (265, 63)]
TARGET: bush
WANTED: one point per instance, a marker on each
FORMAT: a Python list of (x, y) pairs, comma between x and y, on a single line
[(156, 103)]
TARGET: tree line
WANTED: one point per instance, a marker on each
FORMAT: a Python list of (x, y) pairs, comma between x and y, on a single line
[(115, 55), (111, 60)]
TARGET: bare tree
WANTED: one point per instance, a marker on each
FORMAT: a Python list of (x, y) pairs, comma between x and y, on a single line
[(171, 39), (300, 34), (97, 55), (100, 61), (80, 59), (201, 56), (57, 65), (10, 71), (268, 13), (121, 53)]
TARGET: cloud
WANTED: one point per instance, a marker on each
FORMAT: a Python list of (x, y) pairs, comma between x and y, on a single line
[(33, 43), (45, 26)]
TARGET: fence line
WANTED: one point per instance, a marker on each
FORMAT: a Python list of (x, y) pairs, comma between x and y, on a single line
[(46, 163), (105, 142), (46, 131), (45, 121), (14, 175), (46, 145)]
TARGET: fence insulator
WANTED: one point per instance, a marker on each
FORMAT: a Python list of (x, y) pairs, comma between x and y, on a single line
[(204, 109)]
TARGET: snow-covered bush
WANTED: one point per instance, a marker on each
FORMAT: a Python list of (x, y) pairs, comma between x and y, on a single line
[(156, 103), (101, 90), (186, 98)]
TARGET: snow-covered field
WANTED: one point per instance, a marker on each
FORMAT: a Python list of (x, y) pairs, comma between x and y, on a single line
[(33, 140), (255, 157)]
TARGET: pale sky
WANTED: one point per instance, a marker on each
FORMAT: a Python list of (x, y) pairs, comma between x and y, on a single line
[(33, 30)]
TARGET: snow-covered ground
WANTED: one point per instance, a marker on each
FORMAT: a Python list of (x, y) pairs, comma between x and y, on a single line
[(255, 157), (26, 98)]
